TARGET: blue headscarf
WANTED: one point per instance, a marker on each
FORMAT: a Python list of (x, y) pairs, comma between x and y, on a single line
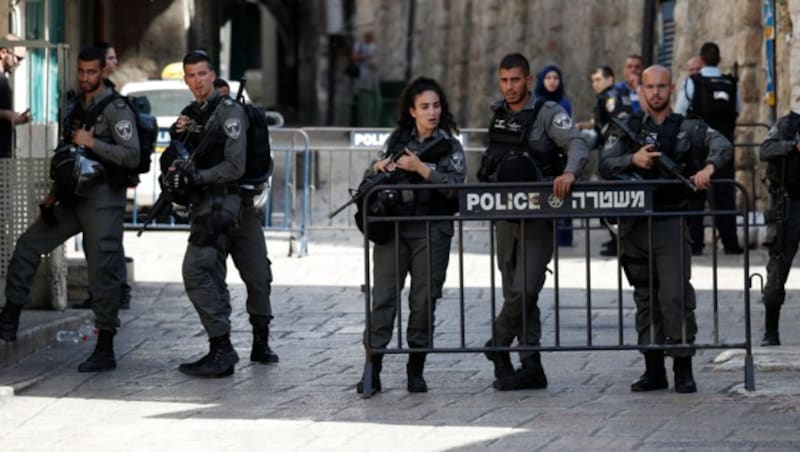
[(540, 92)]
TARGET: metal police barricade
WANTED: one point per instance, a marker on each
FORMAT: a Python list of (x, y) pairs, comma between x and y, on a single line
[(522, 202), (290, 180)]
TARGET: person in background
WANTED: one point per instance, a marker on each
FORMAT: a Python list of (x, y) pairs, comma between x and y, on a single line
[(550, 86), (222, 87), (10, 59), (713, 97), (632, 76)]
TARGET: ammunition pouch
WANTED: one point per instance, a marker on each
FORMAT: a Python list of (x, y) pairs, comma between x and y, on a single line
[(214, 228)]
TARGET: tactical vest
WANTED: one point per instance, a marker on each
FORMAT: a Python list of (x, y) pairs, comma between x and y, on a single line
[(76, 118), (508, 157), (215, 150), (785, 171), (665, 138), (423, 202), (714, 101)]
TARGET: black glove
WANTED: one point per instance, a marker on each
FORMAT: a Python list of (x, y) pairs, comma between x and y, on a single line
[(181, 176)]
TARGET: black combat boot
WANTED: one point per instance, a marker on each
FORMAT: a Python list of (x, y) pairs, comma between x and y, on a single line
[(771, 316), (654, 376), (261, 352), (219, 362), (501, 360), (414, 368), (102, 359), (529, 376), (377, 365), (9, 321), (684, 381)]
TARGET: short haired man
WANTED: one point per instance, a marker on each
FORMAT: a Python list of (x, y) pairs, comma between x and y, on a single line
[(94, 205), (521, 128), (713, 97)]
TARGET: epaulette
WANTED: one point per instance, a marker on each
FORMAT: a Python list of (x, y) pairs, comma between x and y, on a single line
[(227, 102), (120, 103)]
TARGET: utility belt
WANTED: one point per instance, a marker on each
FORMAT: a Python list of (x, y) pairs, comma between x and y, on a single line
[(224, 189)]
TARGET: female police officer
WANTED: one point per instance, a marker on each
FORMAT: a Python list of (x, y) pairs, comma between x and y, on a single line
[(423, 150)]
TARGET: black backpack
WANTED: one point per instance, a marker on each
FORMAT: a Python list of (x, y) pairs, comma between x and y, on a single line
[(258, 168), (147, 129)]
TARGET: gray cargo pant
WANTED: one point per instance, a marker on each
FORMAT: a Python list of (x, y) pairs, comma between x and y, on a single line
[(426, 284), (673, 303), (522, 285), (102, 227)]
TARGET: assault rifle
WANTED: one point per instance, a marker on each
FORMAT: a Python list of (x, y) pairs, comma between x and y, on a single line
[(384, 178), (665, 163), (165, 199)]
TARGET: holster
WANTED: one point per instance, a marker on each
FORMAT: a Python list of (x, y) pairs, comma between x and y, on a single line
[(214, 227)]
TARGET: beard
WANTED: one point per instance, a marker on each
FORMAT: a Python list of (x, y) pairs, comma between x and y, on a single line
[(89, 87)]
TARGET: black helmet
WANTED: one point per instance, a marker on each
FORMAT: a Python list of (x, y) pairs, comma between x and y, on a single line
[(517, 167), (74, 171)]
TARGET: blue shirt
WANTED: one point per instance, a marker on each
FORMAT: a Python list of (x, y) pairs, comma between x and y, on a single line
[(624, 89)]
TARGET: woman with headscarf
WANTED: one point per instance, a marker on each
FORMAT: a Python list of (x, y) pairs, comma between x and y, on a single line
[(550, 86)]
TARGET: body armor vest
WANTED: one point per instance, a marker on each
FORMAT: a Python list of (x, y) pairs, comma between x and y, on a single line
[(509, 158), (664, 137), (785, 171), (714, 101), (215, 153), (116, 176)]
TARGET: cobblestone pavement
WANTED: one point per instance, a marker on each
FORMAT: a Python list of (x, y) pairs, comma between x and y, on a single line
[(308, 401)]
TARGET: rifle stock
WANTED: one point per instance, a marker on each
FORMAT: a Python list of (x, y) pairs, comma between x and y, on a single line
[(663, 161)]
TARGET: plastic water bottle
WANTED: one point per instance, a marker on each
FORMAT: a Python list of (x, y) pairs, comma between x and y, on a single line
[(82, 334)]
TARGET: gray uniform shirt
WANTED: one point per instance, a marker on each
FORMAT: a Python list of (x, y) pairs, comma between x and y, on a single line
[(231, 119), (116, 137), (554, 123), (694, 135)]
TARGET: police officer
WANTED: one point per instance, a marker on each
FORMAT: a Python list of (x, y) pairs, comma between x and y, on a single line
[(425, 123), (713, 97), (699, 150), (215, 134), (611, 102), (528, 141), (781, 151), (125, 292), (95, 206)]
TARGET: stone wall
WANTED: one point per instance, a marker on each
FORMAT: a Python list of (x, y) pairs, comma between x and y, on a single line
[(460, 43)]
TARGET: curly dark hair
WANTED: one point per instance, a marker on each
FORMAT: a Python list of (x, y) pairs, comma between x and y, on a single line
[(410, 93)]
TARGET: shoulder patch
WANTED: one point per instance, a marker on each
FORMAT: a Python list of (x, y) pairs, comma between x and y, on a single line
[(233, 127), (562, 121), (119, 103), (457, 161), (611, 104), (124, 129)]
